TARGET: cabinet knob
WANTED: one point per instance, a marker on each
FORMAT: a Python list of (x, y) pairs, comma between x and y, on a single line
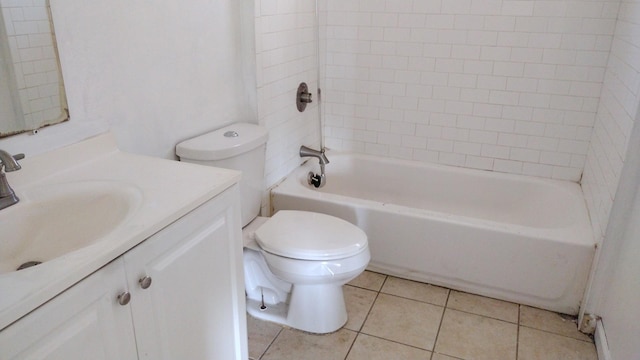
[(145, 282), (124, 298)]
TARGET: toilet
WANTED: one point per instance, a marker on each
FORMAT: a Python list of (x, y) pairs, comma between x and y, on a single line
[(296, 262)]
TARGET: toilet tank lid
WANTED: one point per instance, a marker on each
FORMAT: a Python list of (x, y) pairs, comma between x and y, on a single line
[(223, 143)]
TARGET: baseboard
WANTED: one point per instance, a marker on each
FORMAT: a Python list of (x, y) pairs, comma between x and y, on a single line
[(601, 342)]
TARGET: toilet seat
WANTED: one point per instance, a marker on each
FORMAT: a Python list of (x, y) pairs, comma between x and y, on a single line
[(310, 236)]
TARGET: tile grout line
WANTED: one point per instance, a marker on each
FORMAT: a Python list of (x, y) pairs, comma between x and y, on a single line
[(444, 309), (366, 317), (557, 334), (395, 342), (484, 316), (271, 343), (351, 346), (518, 331), (421, 301)]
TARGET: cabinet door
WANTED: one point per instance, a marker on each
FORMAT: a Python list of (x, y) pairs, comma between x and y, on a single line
[(84, 322), (194, 305)]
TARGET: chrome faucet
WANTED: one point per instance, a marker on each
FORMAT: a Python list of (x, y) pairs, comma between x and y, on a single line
[(317, 180), (8, 163)]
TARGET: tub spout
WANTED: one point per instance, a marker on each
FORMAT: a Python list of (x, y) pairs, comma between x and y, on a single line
[(319, 154)]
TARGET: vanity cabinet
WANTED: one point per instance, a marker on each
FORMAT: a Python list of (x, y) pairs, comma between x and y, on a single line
[(84, 322), (177, 295), (193, 307)]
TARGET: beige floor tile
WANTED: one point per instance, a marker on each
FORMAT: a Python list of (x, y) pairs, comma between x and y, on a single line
[(480, 305), (372, 348), (415, 290), (551, 322), (470, 336), (296, 345), (359, 302), (369, 280), (261, 334), (443, 357), (405, 321), (540, 345)]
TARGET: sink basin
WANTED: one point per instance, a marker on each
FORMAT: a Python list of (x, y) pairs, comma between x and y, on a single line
[(54, 220)]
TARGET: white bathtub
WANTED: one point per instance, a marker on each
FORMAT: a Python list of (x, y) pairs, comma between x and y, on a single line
[(510, 237)]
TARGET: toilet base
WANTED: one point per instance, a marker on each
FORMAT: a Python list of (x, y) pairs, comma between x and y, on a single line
[(316, 309)]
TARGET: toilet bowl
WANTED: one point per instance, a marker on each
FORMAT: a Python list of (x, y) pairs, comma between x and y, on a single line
[(296, 262), (295, 265)]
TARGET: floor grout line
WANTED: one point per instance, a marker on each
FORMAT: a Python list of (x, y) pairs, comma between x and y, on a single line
[(271, 343), (444, 309), (368, 313), (518, 332), (557, 334)]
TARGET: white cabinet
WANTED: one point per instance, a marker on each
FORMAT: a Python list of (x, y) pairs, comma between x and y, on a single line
[(194, 306), (190, 304), (84, 322)]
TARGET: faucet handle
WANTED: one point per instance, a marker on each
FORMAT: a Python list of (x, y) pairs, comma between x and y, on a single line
[(10, 161)]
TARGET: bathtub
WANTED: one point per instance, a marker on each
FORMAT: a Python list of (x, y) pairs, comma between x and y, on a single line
[(515, 238)]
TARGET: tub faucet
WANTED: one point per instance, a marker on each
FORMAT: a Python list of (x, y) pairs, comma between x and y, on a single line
[(8, 163), (317, 180), (308, 152)]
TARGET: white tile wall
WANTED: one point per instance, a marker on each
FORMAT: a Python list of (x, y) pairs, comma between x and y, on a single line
[(287, 54), (502, 85), (616, 114), (38, 77)]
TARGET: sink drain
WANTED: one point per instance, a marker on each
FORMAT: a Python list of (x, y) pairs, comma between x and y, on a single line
[(28, 264)]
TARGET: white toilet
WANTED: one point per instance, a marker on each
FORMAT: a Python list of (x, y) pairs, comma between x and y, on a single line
[(295, 262)]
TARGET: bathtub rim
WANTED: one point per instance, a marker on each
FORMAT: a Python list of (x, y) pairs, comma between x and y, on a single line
[(577, 233)]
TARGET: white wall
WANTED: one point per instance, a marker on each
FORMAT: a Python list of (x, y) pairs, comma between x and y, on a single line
[(611, 187), (154, 73), (615, 118), (501, 85), (616, 288), (287, 54)]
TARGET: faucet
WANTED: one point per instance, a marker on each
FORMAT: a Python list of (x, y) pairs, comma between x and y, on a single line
[(317, 180), (8, 163)]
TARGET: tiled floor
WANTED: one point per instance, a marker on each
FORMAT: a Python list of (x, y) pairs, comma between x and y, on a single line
[(392, 318)]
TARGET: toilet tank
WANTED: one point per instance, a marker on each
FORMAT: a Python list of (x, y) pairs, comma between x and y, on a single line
[(239, 146)]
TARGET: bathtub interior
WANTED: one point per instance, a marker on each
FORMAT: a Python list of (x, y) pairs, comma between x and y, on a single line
[(475, 194)]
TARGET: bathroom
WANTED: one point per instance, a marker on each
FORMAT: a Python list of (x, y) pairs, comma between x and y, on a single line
[(156, 73)]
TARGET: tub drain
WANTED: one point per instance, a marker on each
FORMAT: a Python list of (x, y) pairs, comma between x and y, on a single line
[(28, 264)]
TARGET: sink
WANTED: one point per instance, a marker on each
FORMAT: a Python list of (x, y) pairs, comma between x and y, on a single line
[(54, 220)]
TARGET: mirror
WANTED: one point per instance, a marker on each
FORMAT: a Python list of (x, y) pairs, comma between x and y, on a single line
[(31, 88)]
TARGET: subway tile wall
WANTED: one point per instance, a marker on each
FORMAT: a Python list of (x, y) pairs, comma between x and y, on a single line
[(617, 112), (287, 54), (503, 85), (34, 62)]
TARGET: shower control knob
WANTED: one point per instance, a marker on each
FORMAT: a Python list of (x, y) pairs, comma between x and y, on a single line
[(124, 298), (306, 98), (303, 97), (145, 282)]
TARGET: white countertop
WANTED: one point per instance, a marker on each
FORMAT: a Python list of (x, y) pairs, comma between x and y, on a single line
[(170, 189)]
